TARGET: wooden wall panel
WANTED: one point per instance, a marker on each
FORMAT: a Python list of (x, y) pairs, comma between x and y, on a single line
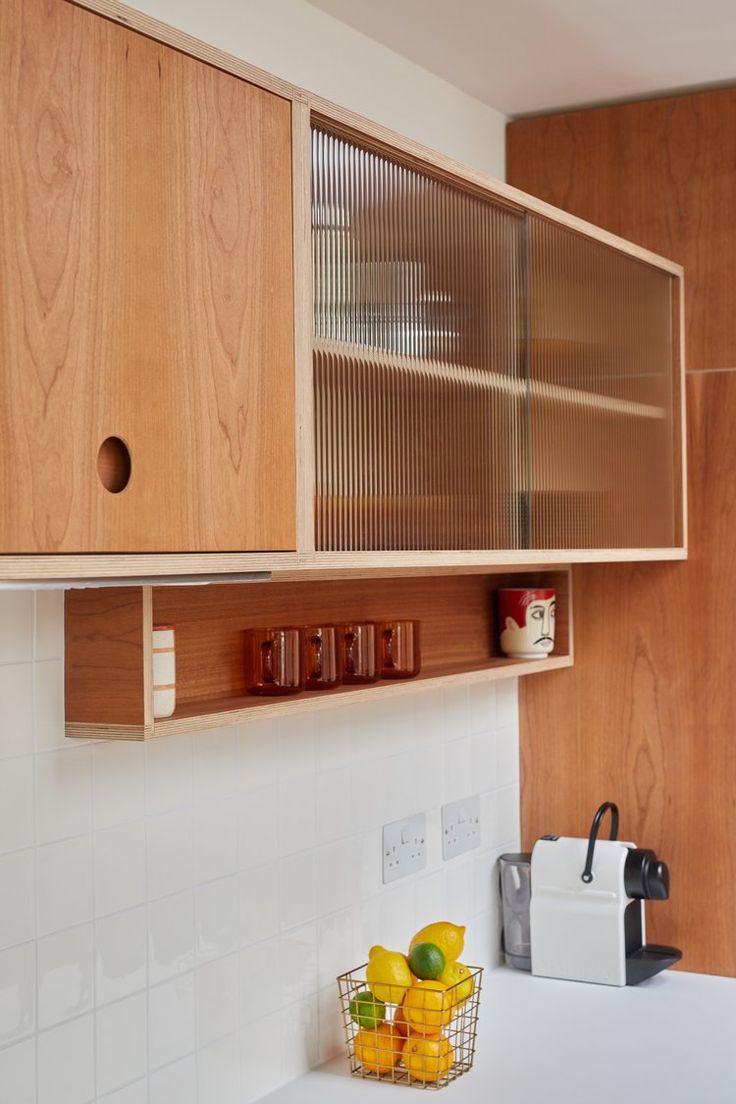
[(145, 293), (659, 172), (646, 716)]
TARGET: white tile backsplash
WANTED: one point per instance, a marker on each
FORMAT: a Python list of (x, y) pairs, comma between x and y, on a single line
[(173, 915)]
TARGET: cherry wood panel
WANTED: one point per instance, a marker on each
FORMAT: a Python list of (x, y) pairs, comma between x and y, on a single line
[(107, 647), (646, 716), (145, 293), (661, 173)]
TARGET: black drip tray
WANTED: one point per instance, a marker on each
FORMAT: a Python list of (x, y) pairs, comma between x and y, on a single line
[(648, 961)]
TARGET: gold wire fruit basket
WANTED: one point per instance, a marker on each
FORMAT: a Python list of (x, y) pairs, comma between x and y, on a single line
[(423, 1038)]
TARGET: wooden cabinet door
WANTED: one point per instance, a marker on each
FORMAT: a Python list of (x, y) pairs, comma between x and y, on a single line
[(146, 294)]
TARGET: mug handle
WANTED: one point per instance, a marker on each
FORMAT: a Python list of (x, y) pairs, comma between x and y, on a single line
[(267, 662), (388, 638)]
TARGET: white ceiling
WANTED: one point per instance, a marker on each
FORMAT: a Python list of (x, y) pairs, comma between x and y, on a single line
[(528, 56)]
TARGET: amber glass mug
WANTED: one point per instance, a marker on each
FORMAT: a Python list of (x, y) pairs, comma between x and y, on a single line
[(322, 668), (361, 662), (273, 661), (400, 654)]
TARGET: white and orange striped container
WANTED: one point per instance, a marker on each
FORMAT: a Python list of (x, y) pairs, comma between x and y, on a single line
[(164, 671)]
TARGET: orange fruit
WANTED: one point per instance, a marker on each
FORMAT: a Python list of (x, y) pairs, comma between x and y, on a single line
[(380, 1050), (427, 1059), (400, 1024), (427, 1007)]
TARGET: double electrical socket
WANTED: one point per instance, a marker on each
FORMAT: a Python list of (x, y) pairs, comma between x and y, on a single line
[(404, 847), (460, 826)]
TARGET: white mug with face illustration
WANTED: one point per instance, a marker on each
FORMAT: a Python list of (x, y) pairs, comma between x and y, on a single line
[(527, 620)]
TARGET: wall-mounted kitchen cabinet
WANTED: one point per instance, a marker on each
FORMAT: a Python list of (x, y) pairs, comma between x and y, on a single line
[(244, 329), (146, 291)]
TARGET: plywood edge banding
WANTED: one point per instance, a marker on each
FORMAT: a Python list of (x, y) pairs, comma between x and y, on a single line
[(85, 731), (335, 699)]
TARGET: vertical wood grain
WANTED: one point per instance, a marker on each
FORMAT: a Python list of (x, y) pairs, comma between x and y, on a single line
[(147, 293), (646, 716)]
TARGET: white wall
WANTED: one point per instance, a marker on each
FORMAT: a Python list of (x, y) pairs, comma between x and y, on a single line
[(172, 916), (311, 49)]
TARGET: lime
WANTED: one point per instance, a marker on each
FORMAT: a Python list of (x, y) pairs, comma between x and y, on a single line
[(366, 1010), (426, 961)]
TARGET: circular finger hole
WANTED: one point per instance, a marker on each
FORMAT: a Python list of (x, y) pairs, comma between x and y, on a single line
[(113, 465)]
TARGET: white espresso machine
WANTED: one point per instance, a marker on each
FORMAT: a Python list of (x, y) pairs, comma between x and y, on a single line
[(587, 919)]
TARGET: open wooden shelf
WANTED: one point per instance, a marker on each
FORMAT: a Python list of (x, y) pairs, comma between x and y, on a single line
[(108, 644)]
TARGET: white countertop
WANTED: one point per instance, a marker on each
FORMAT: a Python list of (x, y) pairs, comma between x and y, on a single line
[(671, 1039)]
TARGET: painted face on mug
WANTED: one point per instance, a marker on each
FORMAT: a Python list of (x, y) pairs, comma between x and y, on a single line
[(537, 635)]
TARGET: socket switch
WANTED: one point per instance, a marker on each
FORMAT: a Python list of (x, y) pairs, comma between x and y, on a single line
[(460, 826), (404, 847)]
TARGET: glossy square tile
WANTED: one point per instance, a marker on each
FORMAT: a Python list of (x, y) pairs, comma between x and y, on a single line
[(334, 947), (131, 1094), (17, 992), (121, 954), (333, 807), (297, 738), (48, 705), (329, 1025), (215, 763), (299, 1046), (64, 893), (483, 754), (336, 875), (258, 971), (217, 999), (507, 755), (63, 794), (507, 702), (170, 851), (456, 709), (430, 898), (120, 868), (118, 782), (260, 1055), (49, 624), (298, 889), (169, 773), (298, 964), (459, 884), (17, 803), (18, 1073), (218, 1072), (258, 891), (459, 782), (175, 1084), (16, 618), (170, 936), (16, 694), (17, 897), (258, 754), (216, 838), (397, 795), (171, 1020), (121, 1042), (66, 1063), (258, 823), (65, 975), (296, 815), (508, 814), (482, 707), (217, 918)]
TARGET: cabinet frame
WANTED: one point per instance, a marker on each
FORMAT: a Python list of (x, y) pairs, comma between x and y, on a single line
[(308, 108)]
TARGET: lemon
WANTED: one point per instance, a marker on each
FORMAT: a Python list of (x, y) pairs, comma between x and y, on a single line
[(426, 961), (388, 974), (448, 937), (427, 1008), (459, 982), (427, 1059), (380, 1050), (366, 1010)]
